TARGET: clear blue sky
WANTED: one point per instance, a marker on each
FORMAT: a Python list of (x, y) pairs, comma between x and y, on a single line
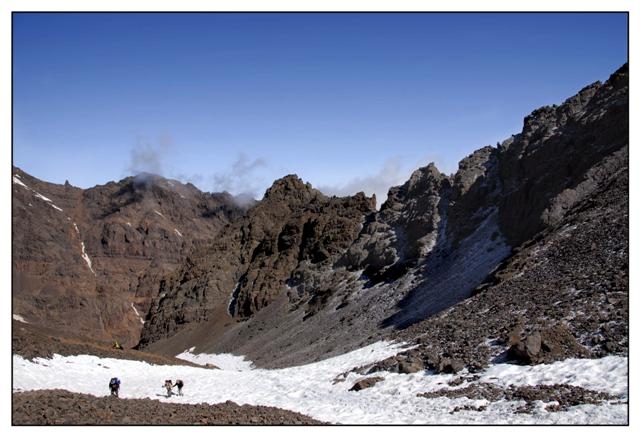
[(231, 102)]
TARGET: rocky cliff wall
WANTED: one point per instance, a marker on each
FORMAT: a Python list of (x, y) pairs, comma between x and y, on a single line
[(91, 259)]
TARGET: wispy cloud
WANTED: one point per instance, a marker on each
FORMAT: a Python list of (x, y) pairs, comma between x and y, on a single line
[(395, 171), (392, 173), (196, 179), (149, 156), (242, 179)]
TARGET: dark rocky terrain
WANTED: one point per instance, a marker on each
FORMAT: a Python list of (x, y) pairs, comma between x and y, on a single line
[(92, 258), (522, 253), (60, 407), (563, 395)]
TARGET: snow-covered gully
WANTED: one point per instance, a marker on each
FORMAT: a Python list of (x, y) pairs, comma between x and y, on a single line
[(320, 391)]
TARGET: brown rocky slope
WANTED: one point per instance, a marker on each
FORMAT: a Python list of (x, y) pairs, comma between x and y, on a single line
[(29, 342), (90, 259)]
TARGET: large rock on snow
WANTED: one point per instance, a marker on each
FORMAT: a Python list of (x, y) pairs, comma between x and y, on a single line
[(366, 383)]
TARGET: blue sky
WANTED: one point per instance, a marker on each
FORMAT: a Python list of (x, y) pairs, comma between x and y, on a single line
[(348, 102)]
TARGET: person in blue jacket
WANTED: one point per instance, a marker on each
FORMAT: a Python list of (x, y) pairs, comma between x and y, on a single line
[(114, 386)]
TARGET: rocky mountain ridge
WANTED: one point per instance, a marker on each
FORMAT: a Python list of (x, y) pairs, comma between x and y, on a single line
[(521, 254), (303, 276)]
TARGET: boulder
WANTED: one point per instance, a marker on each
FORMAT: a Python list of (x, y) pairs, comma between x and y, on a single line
[(410, 364), (387, 365), (552, 343), (366, 383), (410, 367), (450, 365)]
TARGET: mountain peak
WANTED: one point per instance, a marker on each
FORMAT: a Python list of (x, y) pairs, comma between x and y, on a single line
[(290, 186)]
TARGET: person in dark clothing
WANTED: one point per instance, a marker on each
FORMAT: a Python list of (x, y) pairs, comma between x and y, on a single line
[(179, 384), (114, 386)]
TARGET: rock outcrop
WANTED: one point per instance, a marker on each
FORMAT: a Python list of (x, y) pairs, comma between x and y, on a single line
[(278, 248)]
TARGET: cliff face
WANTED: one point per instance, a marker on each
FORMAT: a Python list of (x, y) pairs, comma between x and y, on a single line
[(88, 261), (501, 197), (541, 167), (304, 276)]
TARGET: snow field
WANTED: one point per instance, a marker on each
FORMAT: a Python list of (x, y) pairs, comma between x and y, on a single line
[(316, 390), (223, 361)]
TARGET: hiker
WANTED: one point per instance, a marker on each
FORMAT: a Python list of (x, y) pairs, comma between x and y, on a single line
[(168, 384), (179, 384), (114, 386)]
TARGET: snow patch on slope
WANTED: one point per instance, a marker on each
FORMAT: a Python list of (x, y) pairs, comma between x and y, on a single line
[(84, 253), (137, 313), (589, 374), (223, 361), (46, 199), (86, 258), (16, 180), (19, 318)]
